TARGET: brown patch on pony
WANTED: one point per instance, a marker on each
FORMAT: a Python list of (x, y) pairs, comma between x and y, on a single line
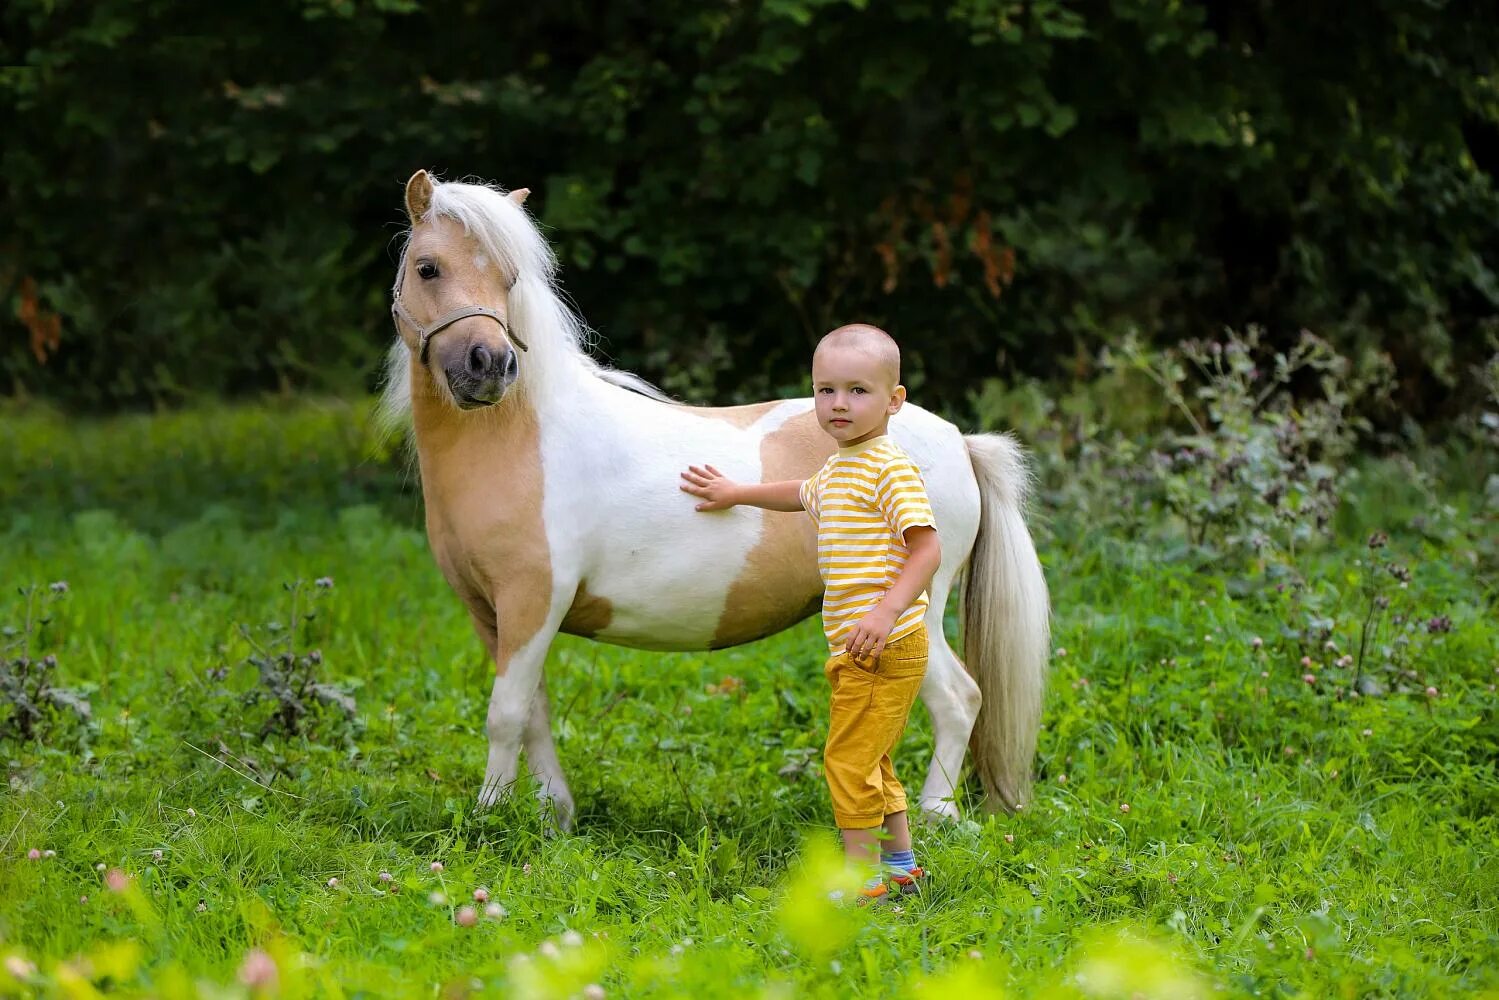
[(589, 615), (739, 416), (779, 585), (482, 483)]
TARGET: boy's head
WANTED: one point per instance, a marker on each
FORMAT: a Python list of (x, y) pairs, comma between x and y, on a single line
[(856, 383)]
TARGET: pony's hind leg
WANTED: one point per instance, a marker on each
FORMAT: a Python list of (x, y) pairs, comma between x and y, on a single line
[(541, 758), (952, 700)]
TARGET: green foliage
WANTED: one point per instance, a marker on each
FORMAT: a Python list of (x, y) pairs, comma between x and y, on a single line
[(1283, 837), (33, 706), (201, 197)]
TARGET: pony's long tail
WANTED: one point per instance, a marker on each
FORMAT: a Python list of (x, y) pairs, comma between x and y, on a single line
[(1006, 623)]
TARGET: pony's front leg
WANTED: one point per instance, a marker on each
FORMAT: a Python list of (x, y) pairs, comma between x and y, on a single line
[(517, 686), (541, 758)]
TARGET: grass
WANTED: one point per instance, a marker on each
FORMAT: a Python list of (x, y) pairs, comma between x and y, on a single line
[(1282, 838)]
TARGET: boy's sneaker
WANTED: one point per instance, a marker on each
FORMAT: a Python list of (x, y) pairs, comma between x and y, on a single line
[(910, 883)]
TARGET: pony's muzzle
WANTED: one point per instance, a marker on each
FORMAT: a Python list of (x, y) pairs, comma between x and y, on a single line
[(483, 374)]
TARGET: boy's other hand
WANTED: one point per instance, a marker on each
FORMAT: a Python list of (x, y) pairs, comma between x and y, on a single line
[(710, 484), (870, 634)]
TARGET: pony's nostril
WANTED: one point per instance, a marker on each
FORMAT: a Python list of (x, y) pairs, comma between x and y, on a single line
[(478, 359), (510, 366)]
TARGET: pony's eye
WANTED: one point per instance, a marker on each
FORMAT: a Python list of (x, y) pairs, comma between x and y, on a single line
[(427, 270)]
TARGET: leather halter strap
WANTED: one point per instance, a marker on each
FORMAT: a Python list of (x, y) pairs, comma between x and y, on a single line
[(424, 334)]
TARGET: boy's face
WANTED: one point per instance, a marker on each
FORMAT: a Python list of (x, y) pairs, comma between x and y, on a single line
[(855, 394)]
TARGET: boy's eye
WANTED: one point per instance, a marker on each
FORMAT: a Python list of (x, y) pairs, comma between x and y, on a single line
[(824, 390), (860, 390)]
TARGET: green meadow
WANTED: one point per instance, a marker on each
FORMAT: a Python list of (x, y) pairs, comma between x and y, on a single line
[(1268, 766)]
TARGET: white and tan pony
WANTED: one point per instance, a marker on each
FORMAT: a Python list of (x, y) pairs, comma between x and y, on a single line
[(552, 503)]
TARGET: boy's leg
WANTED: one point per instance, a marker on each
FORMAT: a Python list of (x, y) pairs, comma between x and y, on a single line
[(897, 833), (868, 711)]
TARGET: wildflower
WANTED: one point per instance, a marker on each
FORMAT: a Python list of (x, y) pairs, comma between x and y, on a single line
[(437, 899), (573, 939), (192, 813), (324, 583), (34, 855), (49, 853), (1256, 643), (1330, 646), (202, 906), (1062, 652), (676, 949), (1264, 673), (259, 971), (467, 916), (437, 866), (976, 955), (1061, 779), (99, 867), (82, 900), (1306, 661), (525, 869), (156, 855), (1009, 838), (1289, 751), (1309, 678), (481, 895), (385, 876), (1171, 877), (495, 911), (1368, 732), (18, 967), (549, 949), (1441, 623), (58, 587), (1431, 692), (593, 991), (1378, 540), (1124, 807), (333, 883)]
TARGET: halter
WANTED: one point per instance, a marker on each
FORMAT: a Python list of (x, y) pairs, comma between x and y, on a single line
[(424, 334)]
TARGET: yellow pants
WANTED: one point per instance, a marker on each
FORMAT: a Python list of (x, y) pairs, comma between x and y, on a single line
[(871, 699)]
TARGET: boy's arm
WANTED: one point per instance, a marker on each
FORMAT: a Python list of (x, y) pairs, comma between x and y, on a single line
[(924, 555), (720, 492)]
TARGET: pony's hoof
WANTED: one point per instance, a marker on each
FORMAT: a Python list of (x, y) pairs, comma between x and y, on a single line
[(939, 810)]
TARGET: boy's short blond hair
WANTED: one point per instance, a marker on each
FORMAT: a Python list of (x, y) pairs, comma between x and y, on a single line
[(869, 340)]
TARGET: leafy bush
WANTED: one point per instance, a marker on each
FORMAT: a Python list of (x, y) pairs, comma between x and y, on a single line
[(200, 197)]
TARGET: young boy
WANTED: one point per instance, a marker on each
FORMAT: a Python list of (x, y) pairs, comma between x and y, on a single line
[(877, 549)]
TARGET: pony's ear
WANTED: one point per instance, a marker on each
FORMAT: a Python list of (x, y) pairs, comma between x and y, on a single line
[(519, 195), (418, 196)]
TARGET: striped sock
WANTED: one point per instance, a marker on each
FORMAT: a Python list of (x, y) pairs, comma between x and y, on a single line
[(898, 862)]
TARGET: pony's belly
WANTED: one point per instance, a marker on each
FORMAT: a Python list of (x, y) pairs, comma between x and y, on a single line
[(691, 617)]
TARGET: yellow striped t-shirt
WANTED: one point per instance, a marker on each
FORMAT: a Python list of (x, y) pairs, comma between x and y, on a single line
[(863, 500)]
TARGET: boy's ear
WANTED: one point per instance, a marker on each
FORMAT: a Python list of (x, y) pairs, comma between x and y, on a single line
[(897, 398)]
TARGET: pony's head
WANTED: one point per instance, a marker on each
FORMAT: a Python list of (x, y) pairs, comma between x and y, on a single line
[(477, 307), (452, 300)]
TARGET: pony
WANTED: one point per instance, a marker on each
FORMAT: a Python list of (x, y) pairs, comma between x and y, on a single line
[(550, 485)]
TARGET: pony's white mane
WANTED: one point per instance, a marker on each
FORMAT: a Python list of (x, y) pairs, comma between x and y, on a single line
[(557, 339)]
